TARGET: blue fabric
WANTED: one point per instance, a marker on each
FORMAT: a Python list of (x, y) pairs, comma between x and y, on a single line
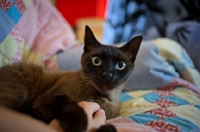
[(152, 97), (187, 58), (144, 118), (198, 106), (176, 100), (180, 65), (119, 20), (185, 124), (150, 69), (6, 25), (14, 13), (125, 97)]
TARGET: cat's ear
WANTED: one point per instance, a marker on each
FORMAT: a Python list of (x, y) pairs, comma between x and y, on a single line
[(90, 40), (131, 48)]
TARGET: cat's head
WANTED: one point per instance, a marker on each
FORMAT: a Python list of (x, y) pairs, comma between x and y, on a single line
[(108, 66)]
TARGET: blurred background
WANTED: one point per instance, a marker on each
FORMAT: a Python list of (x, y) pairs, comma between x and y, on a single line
[(116, 21), (83, 12)]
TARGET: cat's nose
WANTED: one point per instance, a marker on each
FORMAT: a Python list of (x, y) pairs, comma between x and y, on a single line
[(107, 75)]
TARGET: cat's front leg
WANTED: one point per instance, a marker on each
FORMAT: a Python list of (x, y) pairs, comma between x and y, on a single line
[(111, 108), (69, 114), (78, 127), (107, 128)]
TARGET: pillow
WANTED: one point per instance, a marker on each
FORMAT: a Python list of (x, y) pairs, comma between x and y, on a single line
[(187, 34)]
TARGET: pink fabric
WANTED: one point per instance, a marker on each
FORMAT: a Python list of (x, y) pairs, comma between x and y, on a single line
[(123, 124), (188, 85), (178, 82), (44, 28)]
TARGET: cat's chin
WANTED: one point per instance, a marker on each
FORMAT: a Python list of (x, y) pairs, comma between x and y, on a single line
[(102, 91), (103, 88)]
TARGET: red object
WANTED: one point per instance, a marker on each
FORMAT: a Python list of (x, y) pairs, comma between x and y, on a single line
[(74, 9)]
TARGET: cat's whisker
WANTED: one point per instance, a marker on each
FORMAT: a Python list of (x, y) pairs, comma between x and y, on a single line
[(91, 87), (129, 85), (126, 89), (86, 89), (75, 78)]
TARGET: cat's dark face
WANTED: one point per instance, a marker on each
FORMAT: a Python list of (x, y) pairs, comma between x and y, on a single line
[(107, 66)]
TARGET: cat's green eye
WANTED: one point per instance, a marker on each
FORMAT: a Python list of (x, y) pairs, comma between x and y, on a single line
[(96, 61), (120, 65)]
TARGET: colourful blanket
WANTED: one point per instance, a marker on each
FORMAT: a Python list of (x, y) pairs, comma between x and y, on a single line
[(165, 87), (32, 31), (159, 62), (171, 107)]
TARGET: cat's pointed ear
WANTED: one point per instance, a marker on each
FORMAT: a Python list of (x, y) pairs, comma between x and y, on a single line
[(90, 40), (131, 48)]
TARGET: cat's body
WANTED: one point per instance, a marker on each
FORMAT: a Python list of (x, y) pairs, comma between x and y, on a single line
[(47, 94), (32, 82)]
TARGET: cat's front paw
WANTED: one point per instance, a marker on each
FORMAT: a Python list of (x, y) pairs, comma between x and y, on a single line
[(107, 128), (70, 115)]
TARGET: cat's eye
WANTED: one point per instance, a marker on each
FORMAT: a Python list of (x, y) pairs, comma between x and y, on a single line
[(120, 65), (96, 61)]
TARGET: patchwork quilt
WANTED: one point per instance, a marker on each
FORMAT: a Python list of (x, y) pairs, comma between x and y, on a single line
[(159, 62), (162, 94), (28, 32), (172, 106)]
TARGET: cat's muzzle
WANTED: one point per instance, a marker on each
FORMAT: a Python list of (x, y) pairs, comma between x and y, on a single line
[(107, 76)]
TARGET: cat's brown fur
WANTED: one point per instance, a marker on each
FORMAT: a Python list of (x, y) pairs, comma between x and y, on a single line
[(42, 93)]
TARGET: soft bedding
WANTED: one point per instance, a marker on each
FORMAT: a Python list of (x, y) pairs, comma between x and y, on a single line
[(159, 62), (162, 94), (175, 107), (165, 90), (32, 31)]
